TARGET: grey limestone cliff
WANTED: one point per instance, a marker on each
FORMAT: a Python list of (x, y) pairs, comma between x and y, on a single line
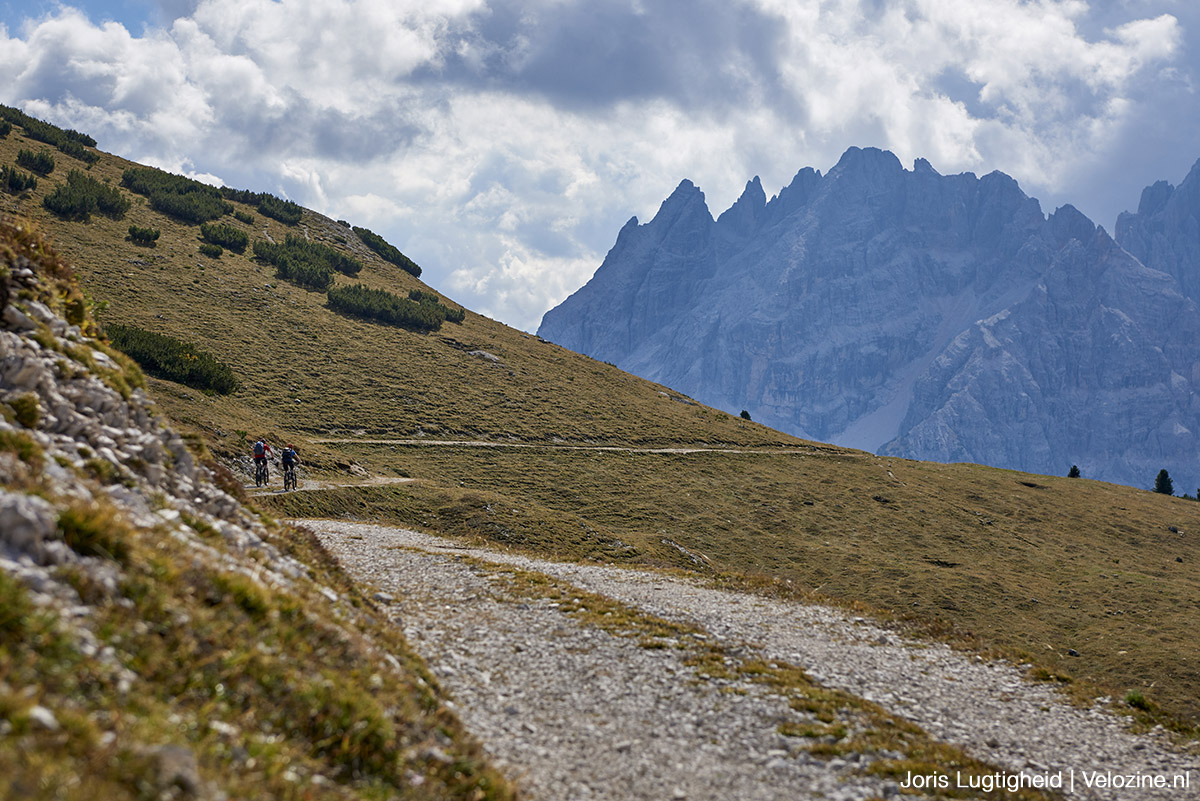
[(903, 311)]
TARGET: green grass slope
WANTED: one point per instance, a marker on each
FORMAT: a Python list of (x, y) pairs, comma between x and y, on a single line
[(1028, 566), (168, 648), (319, 372)]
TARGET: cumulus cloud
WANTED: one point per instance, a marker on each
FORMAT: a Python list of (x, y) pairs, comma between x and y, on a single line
[(503, 143)]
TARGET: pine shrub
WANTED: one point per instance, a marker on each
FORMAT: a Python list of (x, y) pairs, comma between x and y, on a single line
[(211, 250), (73, 143), (41, 162), (77, 150), (386, 251), (15, 181), (439, 308), (225, 234), (173, 359), (144, 236), (244, 216), (5, 128), (309, 264), (192, 207), (82, 194), (285, 211), (385, 307), (180, 197)]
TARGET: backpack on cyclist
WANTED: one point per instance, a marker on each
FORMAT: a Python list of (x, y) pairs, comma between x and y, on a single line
[(289, 456), (259, 449)]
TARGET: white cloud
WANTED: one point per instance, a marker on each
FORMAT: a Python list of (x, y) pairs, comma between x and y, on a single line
[(502, 144)]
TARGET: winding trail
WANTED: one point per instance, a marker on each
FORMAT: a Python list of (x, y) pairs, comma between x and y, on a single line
[(309, 485), (574, 712), (781, 450)]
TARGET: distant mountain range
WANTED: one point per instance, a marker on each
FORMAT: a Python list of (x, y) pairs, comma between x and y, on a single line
[(920, 315)]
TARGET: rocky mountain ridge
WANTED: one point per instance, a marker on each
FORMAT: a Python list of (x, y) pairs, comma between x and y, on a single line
[(909, 313)]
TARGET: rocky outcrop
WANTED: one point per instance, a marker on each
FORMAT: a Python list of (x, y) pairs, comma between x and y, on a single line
[(904, 311), (78, 431), (1164, 233), (155, 633)]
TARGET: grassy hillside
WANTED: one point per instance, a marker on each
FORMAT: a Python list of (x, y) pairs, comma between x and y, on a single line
[(159, 640), (1042, 568), (320, 372)]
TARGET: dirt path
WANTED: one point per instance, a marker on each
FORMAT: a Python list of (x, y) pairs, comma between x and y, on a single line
[(556, 446), (575, 712), (308, 485)]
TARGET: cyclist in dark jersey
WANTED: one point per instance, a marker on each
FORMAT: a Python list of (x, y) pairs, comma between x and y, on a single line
[(262, 451), (289, 458)]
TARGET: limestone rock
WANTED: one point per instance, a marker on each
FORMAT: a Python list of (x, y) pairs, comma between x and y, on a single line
[(911, 313)]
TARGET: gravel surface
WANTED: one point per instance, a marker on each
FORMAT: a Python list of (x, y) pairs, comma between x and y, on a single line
[(573, 712)]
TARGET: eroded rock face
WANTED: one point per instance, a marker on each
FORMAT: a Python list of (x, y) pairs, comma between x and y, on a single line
[(927, 316), (76, 435), (1164, 233)]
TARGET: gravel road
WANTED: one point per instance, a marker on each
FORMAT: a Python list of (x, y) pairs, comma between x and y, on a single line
[(573, 712)]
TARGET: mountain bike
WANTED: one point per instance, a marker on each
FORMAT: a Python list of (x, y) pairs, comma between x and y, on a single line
[(289, 477), (261, 477)]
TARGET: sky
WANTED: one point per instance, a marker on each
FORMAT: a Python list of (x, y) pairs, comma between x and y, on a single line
[(502, 144)]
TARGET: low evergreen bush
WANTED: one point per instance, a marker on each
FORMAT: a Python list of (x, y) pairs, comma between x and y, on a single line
[(77, 150), (244, 216), (285, 211), (15, 181), (173, 359), (144, 236), (41, 162), (211, 250), (82, 194), (386, 251), (180, 197), (73, 143), (382, 306), (193, 207), (309, 264), (5, 128), (225, 234), (443, 311)]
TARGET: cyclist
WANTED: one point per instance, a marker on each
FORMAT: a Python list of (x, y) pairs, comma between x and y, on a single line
[(262, 451), (290, 459)]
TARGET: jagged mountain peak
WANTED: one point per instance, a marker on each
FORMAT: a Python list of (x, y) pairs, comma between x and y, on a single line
[(848, 309), (868, 160), (1068, 222), (1155, 197), (1164, 233), (745, 214), (921, 165)]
